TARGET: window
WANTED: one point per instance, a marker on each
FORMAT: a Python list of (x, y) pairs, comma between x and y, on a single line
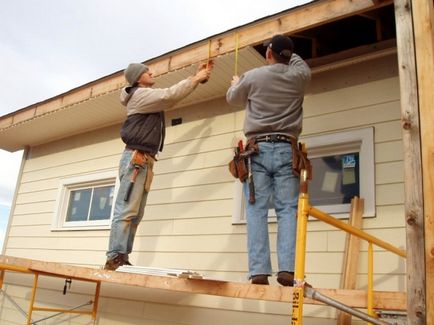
[(337, 180), (85, 202), (343, 167)]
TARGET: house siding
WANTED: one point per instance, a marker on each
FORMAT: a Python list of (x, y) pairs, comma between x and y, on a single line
[(187, 221)]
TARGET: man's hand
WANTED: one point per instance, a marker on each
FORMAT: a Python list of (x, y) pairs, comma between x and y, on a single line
[(203, 72), (205, 65), (235, 80)]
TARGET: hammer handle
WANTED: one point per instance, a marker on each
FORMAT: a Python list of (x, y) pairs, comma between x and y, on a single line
[(131, 185)]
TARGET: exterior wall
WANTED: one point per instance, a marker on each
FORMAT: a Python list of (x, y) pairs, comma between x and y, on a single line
[(187, 221)]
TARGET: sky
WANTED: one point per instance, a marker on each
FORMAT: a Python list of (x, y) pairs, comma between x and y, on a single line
[(48, 47)]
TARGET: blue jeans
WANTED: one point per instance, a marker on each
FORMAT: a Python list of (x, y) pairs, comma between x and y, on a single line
[(272, 176), (127, 214)]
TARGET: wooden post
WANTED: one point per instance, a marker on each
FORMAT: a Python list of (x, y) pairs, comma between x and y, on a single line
[(416, 301), (351, 255), (423, 21)]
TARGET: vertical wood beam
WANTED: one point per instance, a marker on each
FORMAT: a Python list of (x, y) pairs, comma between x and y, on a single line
[(424, 43), (416, 302), (350, 263)]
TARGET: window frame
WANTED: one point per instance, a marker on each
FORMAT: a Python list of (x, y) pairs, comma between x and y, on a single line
[(69, 184), (342, 142)]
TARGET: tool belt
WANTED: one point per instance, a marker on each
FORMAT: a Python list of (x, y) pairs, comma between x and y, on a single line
[(142, 159), (299, 154), (241, 165), (238, 166), (299, 159), (139, 160)]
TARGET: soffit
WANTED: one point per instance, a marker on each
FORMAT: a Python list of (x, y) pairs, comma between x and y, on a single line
[(106, 110)]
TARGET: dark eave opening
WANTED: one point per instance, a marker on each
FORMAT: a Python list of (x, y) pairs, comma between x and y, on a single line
[(369, 28)]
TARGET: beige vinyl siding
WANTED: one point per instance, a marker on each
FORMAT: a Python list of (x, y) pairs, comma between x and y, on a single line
[(187, 221)]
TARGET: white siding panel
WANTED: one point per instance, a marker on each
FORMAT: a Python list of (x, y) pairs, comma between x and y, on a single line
[(189, 210), (352, 97), (389, 151), (30, 231), (88, 146), (35, 208), (199, 145), (388, 173), (36, 196), (192, 193), (193, 161), (37, 219), (384, 263), (390, 194), (73, 168), (359, 117), (193, 177), (394, 236), (390, 216), (388, 131)]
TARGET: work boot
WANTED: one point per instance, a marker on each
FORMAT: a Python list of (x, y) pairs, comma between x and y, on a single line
[(127, 262), (286, 278), (260, 279), (113, 263)]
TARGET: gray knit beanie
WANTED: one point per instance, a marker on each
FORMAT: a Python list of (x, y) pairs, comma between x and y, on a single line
[(134, 71)]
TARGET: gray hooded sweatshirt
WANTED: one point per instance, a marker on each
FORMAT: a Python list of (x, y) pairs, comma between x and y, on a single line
[(273, 97)]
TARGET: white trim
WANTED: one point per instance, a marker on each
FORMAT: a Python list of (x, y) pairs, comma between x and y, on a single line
[(77, 182)]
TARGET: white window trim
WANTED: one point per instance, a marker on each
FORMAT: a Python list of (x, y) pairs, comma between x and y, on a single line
[(360, 140), (66, 185)]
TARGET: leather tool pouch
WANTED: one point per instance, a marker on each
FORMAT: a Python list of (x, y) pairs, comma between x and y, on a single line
[(149, 172), (149, 178), (300, 160), (238, 165), (238, 168), (144, 160)]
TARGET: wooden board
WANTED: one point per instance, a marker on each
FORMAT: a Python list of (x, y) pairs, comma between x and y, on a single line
[(411, 130), (351, 255), (423, 21), (354, 298)]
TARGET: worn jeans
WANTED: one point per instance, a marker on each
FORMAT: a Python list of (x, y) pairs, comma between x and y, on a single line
[(127, 214), (272, 175)]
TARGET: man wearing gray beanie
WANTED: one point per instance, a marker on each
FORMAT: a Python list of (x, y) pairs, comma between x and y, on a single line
[(143, 134)]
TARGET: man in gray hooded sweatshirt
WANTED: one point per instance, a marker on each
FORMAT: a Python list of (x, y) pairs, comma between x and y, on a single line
[(143, 133), (273, 97)]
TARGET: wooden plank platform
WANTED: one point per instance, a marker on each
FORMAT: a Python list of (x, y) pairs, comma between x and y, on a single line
[(383, 300)]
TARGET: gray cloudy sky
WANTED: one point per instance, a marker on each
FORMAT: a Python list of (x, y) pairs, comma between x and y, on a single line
[(48, 47)]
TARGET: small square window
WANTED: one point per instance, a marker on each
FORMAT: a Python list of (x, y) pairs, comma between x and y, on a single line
[(336, 179), (85, 202)]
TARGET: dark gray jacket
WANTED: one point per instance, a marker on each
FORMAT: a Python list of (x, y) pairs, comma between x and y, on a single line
[(144, 128)]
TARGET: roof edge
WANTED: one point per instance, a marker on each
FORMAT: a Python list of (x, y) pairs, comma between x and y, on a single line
[(288, 21)]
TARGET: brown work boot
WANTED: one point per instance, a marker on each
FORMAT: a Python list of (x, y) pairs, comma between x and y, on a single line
[(127, 262), (260, 279), (286, 278), (113, 263)]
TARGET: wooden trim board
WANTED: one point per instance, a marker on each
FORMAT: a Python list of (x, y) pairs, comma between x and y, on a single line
[(354, 298)]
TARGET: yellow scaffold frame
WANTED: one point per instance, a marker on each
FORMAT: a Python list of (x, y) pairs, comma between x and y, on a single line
[(36, 274), (304, 211)]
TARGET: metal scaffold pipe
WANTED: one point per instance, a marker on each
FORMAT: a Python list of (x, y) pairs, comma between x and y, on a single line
[(316, 295)]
